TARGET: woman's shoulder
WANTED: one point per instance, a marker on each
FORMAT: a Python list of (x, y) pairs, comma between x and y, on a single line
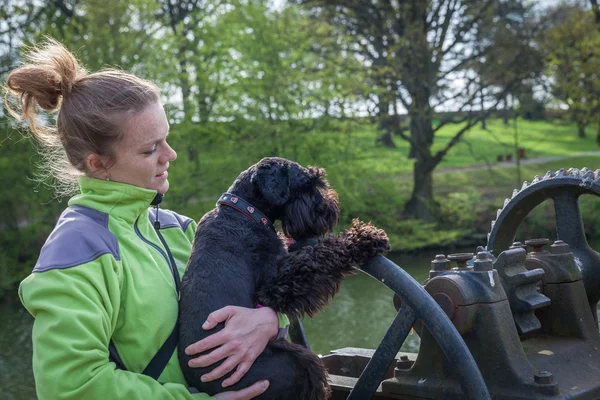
[(169, 219), (81, 235)]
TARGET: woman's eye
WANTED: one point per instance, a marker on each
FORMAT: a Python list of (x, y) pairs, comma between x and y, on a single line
[(150, 152)]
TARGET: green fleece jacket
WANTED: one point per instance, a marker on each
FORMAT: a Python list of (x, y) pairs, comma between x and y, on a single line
[(103, 273)]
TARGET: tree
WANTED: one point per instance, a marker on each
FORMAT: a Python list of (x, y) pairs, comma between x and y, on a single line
[(514, 56), (282, 73), (573, 48), (417, 51)]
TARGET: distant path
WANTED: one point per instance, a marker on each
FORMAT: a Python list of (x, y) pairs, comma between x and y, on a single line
[(507, 164)]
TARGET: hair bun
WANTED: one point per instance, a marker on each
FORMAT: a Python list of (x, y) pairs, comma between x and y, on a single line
[(50, 72), (58, 60)]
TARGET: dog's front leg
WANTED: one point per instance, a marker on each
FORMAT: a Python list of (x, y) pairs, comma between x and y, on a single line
[(309, 277)]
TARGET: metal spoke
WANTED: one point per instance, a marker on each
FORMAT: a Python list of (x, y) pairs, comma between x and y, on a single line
[(375, 370), (570, 229), (414, 297), (569, 225), (588, 261)]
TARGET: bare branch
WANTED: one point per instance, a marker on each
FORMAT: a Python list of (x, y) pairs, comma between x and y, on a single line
[(439, 156)]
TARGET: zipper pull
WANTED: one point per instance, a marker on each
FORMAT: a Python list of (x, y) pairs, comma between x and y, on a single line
[(156, 221)]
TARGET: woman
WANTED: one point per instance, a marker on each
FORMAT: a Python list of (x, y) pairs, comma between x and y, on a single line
[(104, 291)]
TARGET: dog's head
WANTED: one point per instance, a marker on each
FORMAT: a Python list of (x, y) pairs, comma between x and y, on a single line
[(300, 197)]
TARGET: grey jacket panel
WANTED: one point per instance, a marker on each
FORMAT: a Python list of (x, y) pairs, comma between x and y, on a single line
[(169, 219), (81, 235)]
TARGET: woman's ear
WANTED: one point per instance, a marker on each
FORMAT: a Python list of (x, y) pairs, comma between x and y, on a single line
[(96, 164)]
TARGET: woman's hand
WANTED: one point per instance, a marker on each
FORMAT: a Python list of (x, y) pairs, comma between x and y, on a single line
[(244, 394), (244, 337)]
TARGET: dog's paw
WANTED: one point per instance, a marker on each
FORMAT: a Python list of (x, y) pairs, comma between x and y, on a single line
[(366, 240)]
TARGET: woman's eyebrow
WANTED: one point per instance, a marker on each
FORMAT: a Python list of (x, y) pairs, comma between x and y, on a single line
[(150, 142)]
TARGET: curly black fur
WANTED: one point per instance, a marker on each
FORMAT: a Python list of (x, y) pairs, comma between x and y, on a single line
[(309, 277), (237, 261)]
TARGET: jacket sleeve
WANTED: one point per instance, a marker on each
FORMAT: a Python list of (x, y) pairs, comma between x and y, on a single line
[(75, 310)]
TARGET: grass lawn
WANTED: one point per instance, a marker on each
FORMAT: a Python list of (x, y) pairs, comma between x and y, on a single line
[(539, 138), (497, 183)]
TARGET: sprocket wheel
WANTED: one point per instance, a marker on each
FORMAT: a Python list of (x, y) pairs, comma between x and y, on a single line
[(564, 188)]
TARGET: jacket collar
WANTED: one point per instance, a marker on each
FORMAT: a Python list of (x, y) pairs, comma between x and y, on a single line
[(117, 199)]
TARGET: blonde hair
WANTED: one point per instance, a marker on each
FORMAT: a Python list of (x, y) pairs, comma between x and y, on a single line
[(91, 109)]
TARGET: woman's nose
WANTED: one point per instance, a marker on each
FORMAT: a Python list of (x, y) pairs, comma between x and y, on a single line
[(169, 155)]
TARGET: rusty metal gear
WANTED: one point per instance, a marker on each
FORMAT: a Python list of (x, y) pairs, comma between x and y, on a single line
[(564, 188)]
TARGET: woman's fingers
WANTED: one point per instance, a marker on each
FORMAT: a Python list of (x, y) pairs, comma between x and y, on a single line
[(227, 350), (238, 374), (243, 338), (222, 369), (244, 394), (220, 315), (218, 339)]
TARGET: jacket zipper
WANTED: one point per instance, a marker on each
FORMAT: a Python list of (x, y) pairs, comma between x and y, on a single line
[(170, 263)]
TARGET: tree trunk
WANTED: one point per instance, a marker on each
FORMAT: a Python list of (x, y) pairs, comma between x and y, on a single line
[(421, 131), (386, 139), (581, 129), (421, 204), (482, 100), (412, 153), (598, 135), (506, 111), (385, 122)]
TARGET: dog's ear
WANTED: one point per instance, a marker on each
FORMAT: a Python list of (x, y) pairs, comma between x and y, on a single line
[(272, 179), (298, 175), (312, 214)]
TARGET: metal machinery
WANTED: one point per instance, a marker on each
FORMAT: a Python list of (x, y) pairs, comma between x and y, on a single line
[(519, 326)]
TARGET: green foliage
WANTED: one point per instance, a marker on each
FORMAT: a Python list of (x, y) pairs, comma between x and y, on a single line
[(28, 212), (459, 209), (573, 48)]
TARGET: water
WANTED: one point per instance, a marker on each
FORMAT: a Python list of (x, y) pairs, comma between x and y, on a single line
[(362, 312), (358, 317)]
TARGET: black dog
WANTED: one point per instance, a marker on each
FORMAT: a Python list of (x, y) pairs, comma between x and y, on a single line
[(239, 259)]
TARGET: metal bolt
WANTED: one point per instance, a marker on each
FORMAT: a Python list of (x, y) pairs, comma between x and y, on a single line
[(440, 263), (537, 244), (460, 259), (483, 262), (559, 247), (403, 358), (543, 378), (517, 245)]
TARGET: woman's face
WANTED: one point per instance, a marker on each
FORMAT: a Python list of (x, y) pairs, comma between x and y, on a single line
[(143, 155)]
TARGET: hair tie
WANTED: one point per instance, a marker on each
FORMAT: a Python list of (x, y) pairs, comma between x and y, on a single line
[(66, 88)]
